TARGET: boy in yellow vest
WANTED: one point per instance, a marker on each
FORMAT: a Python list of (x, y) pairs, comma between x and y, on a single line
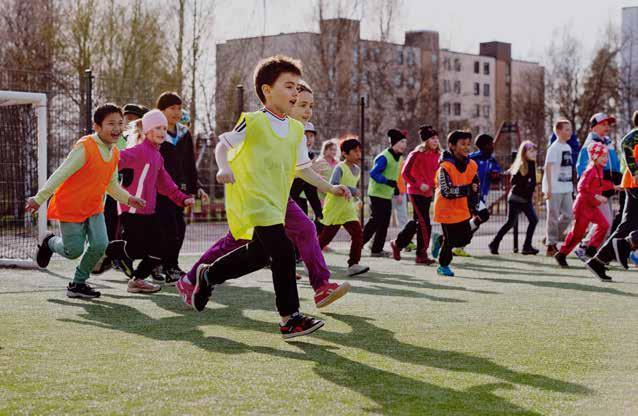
[(339, 212), (78, 187), (257, 162), (456, 198), (381, 189)]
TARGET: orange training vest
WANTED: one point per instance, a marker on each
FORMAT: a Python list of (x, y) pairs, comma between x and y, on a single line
[(627, 179), (452, 211), (81, 195)]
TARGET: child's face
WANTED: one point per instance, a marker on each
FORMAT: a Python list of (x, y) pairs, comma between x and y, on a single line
[(353, 156), (302, 110), (461, 148), (111, 128), (565, 132), (330, 152), (173, 113), (310, 139), (283, 94), (487, 147), (400, 146), (531, 154), (602, 160), (129, 118), (432, 143), (602, 129), (157, 134)]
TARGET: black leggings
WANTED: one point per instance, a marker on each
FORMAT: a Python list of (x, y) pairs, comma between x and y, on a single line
[(420, 225), (515, 208), (143, 237), (628, 223), (173, 226), (268, 243), (378, 223), (454, 235)]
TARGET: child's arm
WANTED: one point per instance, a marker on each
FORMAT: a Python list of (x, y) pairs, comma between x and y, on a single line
[(121, 195), (73, 162), (447, 188), (335, 179), (409, 177), (376, 173), (584, 189), (167, 187), (314, 179), (548, 174), (224, 174)]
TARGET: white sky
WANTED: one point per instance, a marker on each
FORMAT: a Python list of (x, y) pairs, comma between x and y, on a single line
[(462, 24)]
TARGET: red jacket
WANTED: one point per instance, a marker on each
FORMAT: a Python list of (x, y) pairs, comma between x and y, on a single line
[(591, 183), (420, 168)]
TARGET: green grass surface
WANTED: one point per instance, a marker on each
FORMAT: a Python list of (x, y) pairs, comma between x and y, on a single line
[(509, 335)]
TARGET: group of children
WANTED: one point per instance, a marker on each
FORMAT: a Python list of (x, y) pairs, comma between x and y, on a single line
[(266, 166)]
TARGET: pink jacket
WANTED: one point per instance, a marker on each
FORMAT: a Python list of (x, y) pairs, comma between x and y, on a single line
[(420, 168), (149, 177)]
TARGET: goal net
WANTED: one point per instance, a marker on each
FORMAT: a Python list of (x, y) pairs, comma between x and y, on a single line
[(23, 144)]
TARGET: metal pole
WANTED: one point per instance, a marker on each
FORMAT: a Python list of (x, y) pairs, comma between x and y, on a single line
[(88, 126), (240, 101), (362, 106)]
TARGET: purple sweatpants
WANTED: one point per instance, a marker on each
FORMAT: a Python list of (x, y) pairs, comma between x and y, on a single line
[(299, 229)]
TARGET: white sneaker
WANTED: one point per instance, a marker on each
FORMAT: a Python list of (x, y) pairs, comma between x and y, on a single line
[(142, 286), (356, 269), (580, 253)]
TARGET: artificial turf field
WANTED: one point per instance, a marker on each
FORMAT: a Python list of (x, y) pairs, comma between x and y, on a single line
[(507, 335)]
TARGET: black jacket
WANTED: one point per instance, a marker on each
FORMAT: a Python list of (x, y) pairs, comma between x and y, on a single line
[(523, 187), (179, 161)]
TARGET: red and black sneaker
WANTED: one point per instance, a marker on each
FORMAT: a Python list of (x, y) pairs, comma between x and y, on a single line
[(299, 325)]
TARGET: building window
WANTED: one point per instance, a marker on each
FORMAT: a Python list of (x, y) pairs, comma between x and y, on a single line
[(447, 109), (477, 110), (457, 109), (457, 87), (355, 55), (486, 68), (399, 105), (365, 77), (411, 81), (331, 73), (446, 86), (477, 88), (457, 65), (411, 58), (400, 57), (477, 67), (486, 90), (486, 111), (435, 58), (363, 53), (398, 80), (376, 54), (446, 64)]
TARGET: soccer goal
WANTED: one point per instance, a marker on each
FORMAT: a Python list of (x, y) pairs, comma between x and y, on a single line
[(23, 169)]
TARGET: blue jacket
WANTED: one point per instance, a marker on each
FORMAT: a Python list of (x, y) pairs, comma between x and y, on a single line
[(487, 165), (572, 142), (611, 171)]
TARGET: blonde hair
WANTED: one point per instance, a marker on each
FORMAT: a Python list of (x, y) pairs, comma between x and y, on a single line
[(135, 134), (326, 144), (521, 164)]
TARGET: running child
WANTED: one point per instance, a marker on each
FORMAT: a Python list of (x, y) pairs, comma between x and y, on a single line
[(299, 228), (419, 172), (257, 162), (456, 198), (520, 198), (141, 228), (77, 190), (342, 212), (591, 186)]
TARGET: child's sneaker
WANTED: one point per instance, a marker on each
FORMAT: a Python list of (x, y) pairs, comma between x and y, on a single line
[(529, 251), (185, 289), (203, 289), (598, 269), (329, 293), (460, 252), (173, 275), (157, 276), (424, 259), (44, 253), (381, 253), (396, 251), (298, 325), (621, 250), (117, 250), (142, 286), (493, 248), (634, 258), (561, 259), (356, 269), (436, 244), (81, 290), (102, 265), (410, 247), (580, 253), (445, 271), (551, 250)]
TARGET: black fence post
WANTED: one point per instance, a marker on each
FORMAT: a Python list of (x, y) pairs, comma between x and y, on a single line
[(240, 101), (88, 78), (362, 129)]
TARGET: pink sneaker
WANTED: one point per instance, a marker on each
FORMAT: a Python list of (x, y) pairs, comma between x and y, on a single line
[(329, 293), (185, 289), (142, 286)]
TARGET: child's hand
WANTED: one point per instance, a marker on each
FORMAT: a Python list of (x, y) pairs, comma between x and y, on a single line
[(225, 175), (341, 190), (201, 194), (135, 202), (189, 202), (31, 206), (601, 198), (548, 196), (475, 187), (424, 187)]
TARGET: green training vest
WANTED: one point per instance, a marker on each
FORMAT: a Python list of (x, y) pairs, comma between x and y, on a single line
[(381, 190), (337, 210), (264, 167)]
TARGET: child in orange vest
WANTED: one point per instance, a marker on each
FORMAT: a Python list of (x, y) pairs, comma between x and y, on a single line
[(456, 198), (78, 187)]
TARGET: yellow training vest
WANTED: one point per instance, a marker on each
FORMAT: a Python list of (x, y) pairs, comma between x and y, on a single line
[(337, 210), (264, 167)]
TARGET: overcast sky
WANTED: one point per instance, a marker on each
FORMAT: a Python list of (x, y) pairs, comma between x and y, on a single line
[(462, 24)]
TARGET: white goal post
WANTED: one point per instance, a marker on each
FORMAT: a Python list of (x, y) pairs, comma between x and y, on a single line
[(39, 103)]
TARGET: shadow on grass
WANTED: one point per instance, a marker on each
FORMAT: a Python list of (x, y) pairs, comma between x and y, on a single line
[(392, 392)]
